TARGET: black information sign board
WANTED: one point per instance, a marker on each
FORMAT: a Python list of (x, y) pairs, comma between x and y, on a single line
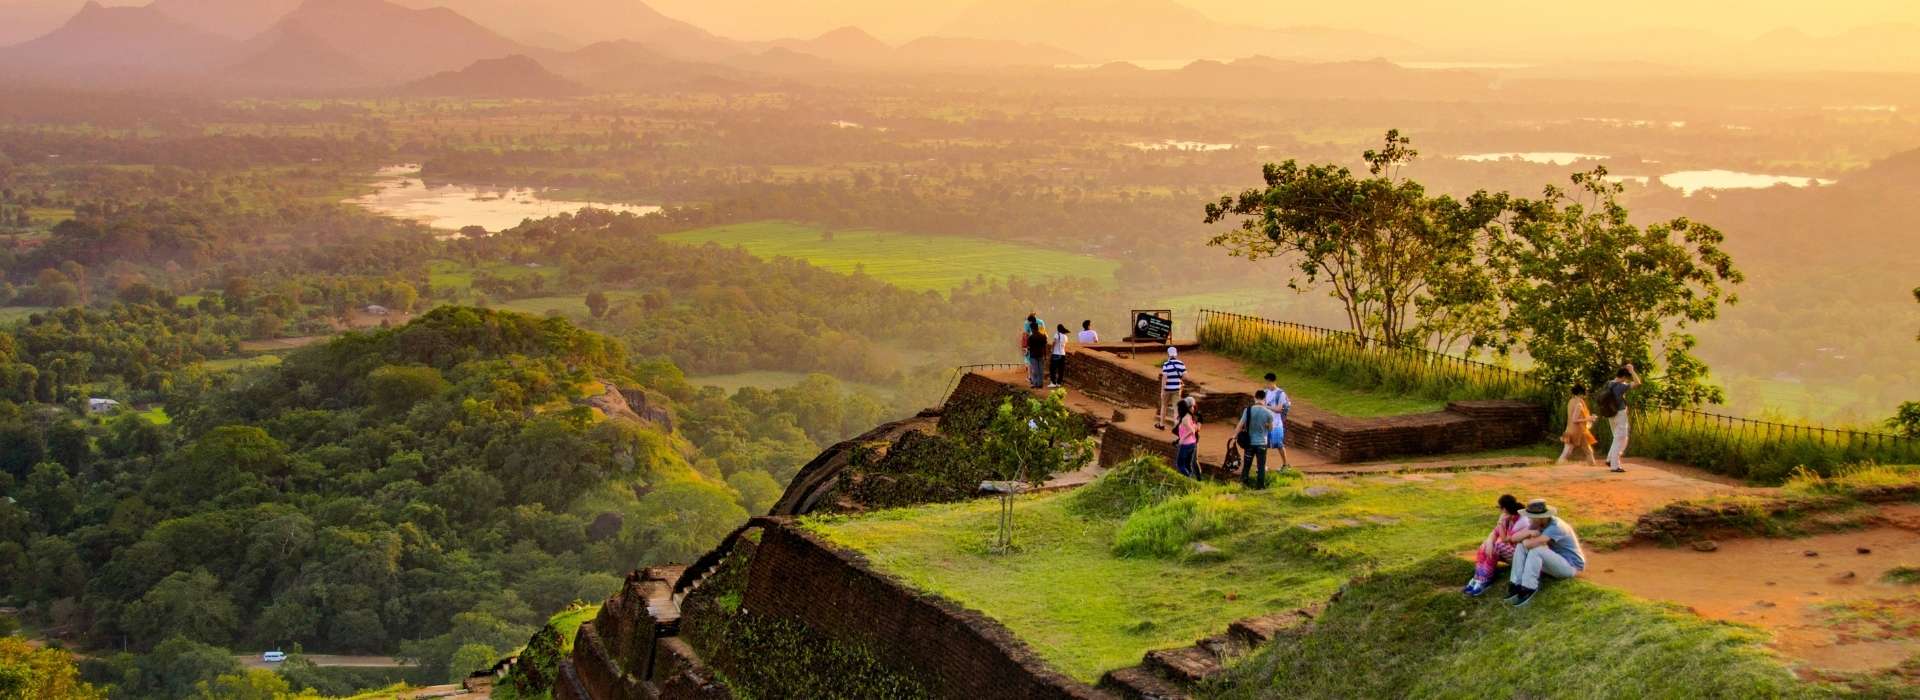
[(1152, 325)]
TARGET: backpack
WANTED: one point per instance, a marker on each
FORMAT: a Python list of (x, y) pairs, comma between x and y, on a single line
[(1609, 404)]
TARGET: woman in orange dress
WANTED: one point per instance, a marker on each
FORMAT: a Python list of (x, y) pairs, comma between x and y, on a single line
[(1579, 434)]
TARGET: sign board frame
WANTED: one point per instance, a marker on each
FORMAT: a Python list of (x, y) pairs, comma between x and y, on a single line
[(1145, 319)]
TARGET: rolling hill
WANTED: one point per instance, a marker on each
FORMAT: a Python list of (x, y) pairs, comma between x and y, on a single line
[(116, 44), (515, 76), (393, 42)]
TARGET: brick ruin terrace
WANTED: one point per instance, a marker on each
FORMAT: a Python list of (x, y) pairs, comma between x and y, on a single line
[(1117, 387), (633, 648)]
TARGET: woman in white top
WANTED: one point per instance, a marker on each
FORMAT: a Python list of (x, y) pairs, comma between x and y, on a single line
[(1058, 367)]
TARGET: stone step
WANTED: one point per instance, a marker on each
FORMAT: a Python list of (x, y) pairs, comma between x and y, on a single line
[(1224, 646), (1138, 683), (1185, 665), (1256, 631)]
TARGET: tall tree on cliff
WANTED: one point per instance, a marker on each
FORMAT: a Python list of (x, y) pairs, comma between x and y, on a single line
[(1378, 243), (1907, 420), (1584, 291)]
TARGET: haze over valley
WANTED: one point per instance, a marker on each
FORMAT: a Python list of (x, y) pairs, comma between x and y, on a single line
[(387, 348)]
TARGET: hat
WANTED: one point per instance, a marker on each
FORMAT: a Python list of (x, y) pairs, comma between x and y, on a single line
[(1538, 508), (1173, 351)]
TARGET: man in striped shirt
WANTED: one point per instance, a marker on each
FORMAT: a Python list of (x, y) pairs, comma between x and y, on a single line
[(1173, 378)]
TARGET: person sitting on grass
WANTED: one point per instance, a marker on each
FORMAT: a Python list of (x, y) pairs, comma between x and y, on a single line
[(1555, 552), (1499, 546), (1256, 424), (1186, 431)]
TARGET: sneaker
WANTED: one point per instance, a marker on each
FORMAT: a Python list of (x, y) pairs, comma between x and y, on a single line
[(1617, 470), (1474, 588), (1513, 592), (1526, 596)]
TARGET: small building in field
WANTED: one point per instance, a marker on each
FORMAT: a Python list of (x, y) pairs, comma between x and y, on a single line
[(98, 405), (378, 310)]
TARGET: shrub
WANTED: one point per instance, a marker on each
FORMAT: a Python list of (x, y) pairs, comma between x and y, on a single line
[(1129, 486)]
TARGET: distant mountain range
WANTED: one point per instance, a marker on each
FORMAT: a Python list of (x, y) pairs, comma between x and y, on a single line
[(1157, 29), (378, 46), (333, 46)]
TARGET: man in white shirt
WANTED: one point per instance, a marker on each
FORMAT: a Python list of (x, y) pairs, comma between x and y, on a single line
[(1088, 335)]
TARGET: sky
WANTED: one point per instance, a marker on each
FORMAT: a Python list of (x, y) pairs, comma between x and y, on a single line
[(1419, 20)]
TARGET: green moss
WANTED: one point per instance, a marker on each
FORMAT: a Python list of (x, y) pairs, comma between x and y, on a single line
[(759, 656), (1902, 575)]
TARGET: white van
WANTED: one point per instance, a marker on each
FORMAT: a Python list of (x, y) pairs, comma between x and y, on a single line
[(274, 657)]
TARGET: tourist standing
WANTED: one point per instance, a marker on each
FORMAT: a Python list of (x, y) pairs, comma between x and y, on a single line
[(1057, 364), (1256, 423), (1033, 322), (1037, 358), (1186, 431), (1624, 381), (1280, 405), (1579, 433), (1088, 335), (1554, 552), (1173, 378)]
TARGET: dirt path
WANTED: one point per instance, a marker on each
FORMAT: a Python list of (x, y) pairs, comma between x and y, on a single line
[(1593, 493), (1829, 610)]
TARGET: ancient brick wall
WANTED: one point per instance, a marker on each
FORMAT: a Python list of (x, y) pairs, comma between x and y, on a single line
[(957, 653), (974, 386), (1109, 378), (1466, 426)]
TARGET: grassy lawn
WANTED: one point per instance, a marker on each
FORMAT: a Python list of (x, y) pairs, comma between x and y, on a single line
[(909, 260), (449, 274), (1420, 638), (229, 364), (16, 314), (1087, 610), (157, 415), (1345, 399)]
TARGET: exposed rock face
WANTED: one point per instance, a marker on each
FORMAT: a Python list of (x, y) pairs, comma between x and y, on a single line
[(637, 402)]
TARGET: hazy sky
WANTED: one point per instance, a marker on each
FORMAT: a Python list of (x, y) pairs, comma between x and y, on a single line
[(1419, 20)]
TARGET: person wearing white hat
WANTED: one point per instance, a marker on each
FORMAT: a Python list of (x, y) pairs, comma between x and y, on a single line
[(1554, 552), (1173, 378)]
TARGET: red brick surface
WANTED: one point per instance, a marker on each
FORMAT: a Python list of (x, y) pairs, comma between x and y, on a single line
[(955, 652)]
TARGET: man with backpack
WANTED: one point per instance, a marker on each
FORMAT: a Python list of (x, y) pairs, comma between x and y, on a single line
[(1251, 435), (1613, 407)]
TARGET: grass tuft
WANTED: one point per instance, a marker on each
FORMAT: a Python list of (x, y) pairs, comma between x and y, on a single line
[(1129, 486)]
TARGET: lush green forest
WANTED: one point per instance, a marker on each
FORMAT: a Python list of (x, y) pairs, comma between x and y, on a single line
[(357, 434)]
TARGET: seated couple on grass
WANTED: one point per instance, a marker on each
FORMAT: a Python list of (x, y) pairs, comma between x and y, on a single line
[(1538, 543)]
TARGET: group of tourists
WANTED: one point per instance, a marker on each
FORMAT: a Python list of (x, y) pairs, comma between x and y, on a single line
[(1536, 543), (1613, 407), (1045, 353), (1261, 427)]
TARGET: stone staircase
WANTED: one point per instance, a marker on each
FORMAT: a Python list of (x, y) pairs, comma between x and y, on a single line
[(1174, 674)]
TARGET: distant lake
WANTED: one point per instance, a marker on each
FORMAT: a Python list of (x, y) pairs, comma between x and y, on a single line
[(401, 194), (1544, 157), (1691, 181), (1173, 145)]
